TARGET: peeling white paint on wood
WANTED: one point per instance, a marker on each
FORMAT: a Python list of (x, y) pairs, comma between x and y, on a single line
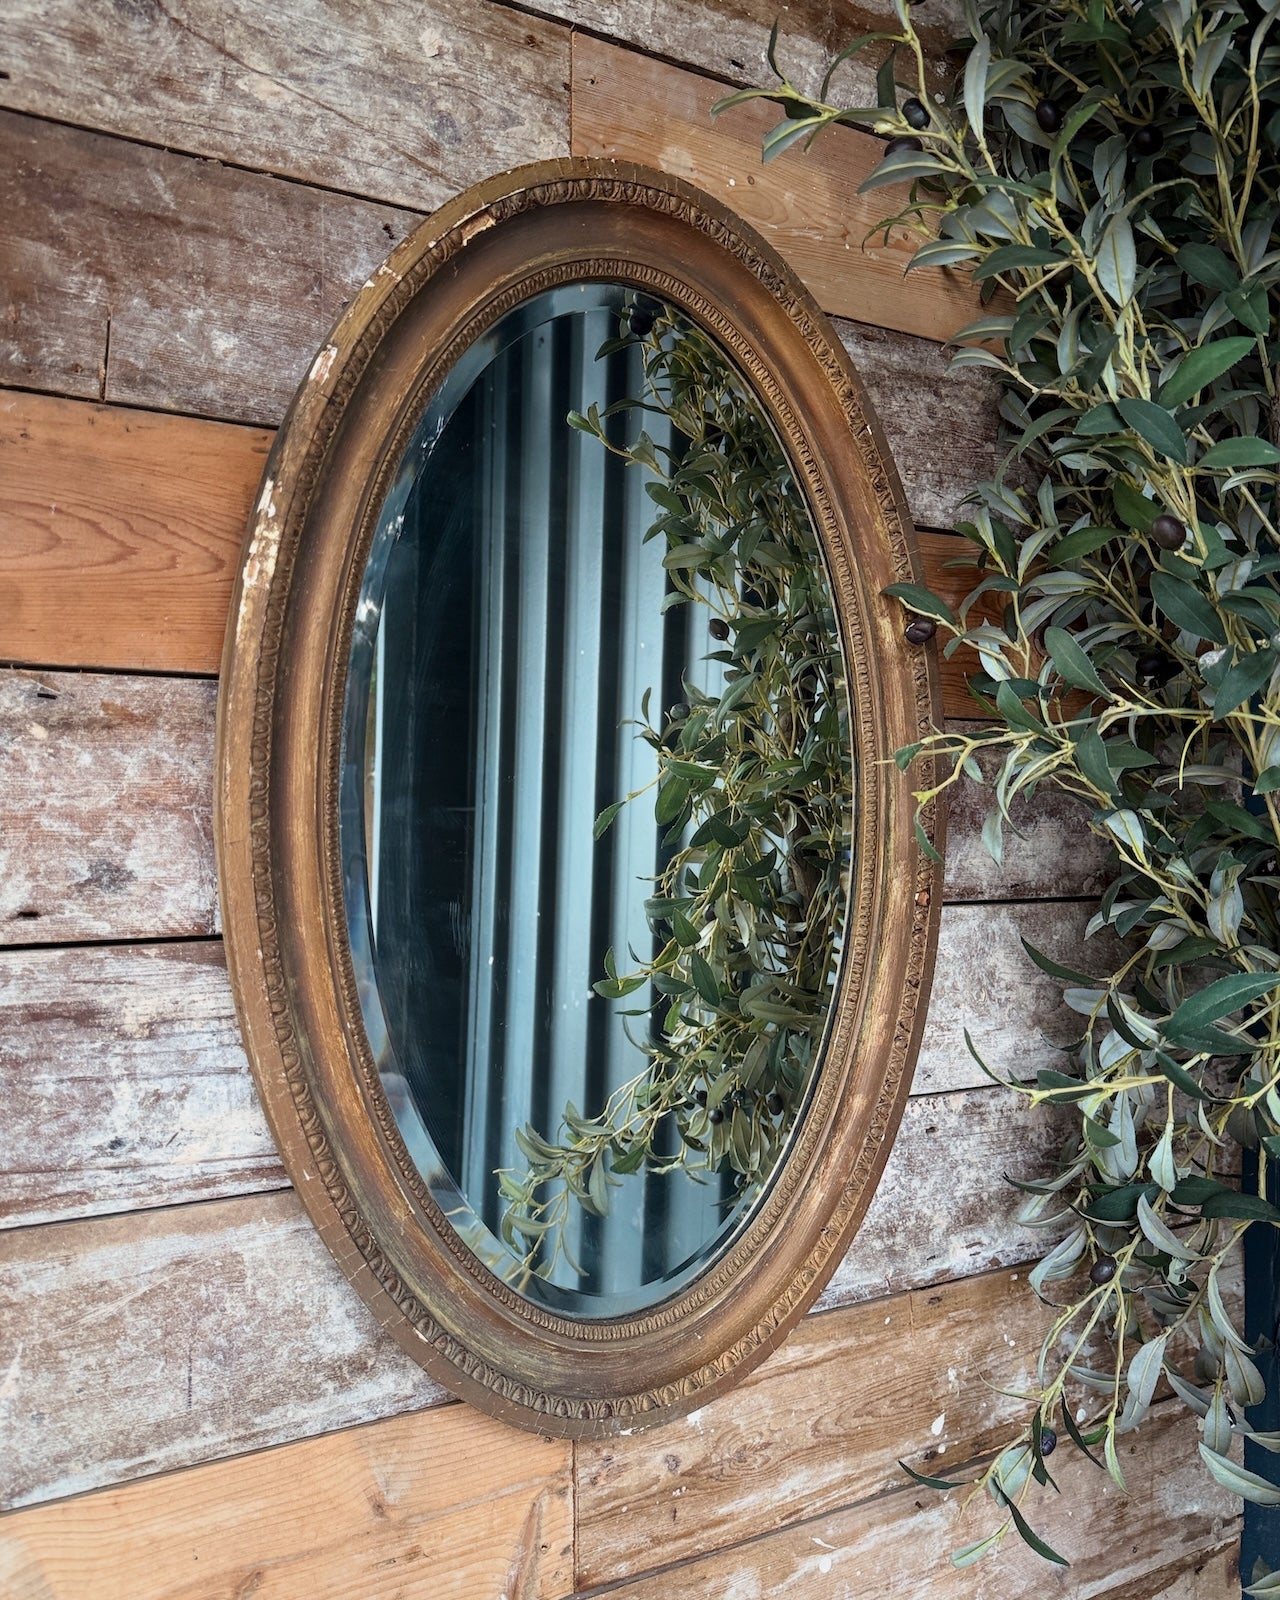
[(105, 817)]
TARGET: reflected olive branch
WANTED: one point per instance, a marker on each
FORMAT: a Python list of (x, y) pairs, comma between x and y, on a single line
[(753, 792)]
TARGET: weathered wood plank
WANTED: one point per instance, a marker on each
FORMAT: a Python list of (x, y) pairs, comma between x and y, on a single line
[(398, 101), (897, 1546), (1049, 850), (121, 530), (107, 808), (941, 425), (212, 287), (985, 982), (151, 508), (106, 817), (442, 1502), (1209, 1577), (166, 1338), (126, 1083), (807, 205), (728, 37), (205, 1330), (943, 1209), (822, 1424)]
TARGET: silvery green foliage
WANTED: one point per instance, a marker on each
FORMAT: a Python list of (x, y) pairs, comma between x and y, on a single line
[(1108, 173)]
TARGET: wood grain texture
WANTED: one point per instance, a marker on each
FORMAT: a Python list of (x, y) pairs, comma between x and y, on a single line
[(985, 982), (166, 1338), (728, 38), (105, 807), (1048, 851), (398, 101), (121, 530), (126, 1083), (106, 803), (443, 1502), (1173, 1519), (941, 425), (807, 205), (141, 276), (824, 1424), (1213, 1576), (204, 1330), (821, 1425), (943, 1209)]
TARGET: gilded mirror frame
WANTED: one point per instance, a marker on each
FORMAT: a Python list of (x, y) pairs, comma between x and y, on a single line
[(279, 748)]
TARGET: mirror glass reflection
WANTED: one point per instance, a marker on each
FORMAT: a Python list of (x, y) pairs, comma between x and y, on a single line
[(597, 794)]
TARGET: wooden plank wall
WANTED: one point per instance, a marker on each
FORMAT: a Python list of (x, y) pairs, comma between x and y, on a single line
[(192, 1402)]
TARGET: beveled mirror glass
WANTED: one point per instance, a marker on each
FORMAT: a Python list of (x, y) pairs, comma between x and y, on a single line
[(597, 796), (574, 911)]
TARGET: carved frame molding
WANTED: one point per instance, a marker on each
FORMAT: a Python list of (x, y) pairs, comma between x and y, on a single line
[(279, 743)]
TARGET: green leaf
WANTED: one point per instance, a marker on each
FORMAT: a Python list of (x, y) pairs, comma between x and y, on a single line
[(1009, 257), (1101, 419), (1072, 664), (932, 1483), (1077, 1438), (605, 820), (1064, 974), (977, 64), (1185, 606), (1133, 508), (1157, 426), (942, 253), (1083, 542), (1249, 305), (782, 136), (704, 980), (1219, 999), (1117, 259), (1240, 453), (1199, 367), (920, 600), (1029, 1536), (1014, 712), (974, 1552), (1242, 680), (903, 166), (1208, 266), (1248, 1485), (1118, 1203), (1240, 1207), (1179, 1076), (1063, 1089)]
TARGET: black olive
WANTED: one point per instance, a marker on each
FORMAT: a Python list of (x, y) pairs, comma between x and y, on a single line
[(716, 1115), (718, 628), (916, 113), (1151, 667), (1103, 1270), (1168, 532), (700, 1096), (1048, 1441), (904, 141), (641, 322), (1049, 115), (920, 630), (1147, 140), (775, 1104)]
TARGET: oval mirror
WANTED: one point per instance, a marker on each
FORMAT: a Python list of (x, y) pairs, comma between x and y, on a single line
[(576, 927)]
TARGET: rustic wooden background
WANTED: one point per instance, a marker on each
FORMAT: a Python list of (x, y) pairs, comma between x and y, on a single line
[(192, 1401)]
